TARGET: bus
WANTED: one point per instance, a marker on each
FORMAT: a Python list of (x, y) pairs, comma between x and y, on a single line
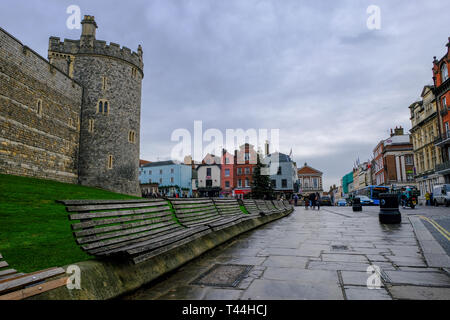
[(372, 192)]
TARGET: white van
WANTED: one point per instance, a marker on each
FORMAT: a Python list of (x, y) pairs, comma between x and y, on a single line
[(441, 194)]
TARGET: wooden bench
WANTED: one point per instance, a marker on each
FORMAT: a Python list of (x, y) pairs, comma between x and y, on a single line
[(287, 205), (230, 207), (271, 206), (251, 207), (18, 286), (278, 204), (135, 229), (192, 212), (262, 206)]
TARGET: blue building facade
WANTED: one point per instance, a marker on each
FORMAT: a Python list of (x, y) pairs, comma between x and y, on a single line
[(172, 177)]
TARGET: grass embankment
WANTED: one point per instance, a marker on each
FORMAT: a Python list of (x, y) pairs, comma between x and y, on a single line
[(35, 232)]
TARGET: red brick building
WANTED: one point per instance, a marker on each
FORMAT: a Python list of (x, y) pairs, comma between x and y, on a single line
[(245, 160), (441, 69), (394, 160), (227, 173)]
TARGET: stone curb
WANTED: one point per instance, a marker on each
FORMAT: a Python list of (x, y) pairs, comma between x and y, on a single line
[(434, 254), (107, 279)]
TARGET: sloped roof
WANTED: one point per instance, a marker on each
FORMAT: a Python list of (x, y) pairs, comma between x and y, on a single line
[(308, 170)]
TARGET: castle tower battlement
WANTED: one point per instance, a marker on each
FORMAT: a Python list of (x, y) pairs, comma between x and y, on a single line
[(111, 77)]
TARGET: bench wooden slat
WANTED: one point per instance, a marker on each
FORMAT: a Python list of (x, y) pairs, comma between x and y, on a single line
[(3, 264), (35, 289), (117, 240), (160, 221), (161, 241), (153, 253), (94, 202), (125, 231), (106, 214), (7, 272), (28, 279), (96, 223), (95, 207)]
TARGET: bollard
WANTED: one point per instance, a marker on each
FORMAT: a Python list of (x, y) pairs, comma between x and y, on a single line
[(357, 204), (389, 212)]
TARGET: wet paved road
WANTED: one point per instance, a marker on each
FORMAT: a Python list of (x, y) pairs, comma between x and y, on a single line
[(311, 255)]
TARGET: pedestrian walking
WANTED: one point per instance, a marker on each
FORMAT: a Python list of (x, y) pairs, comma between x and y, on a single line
[(318, 200), (306, 199), (295, 199), (312, 200), (428, 198)]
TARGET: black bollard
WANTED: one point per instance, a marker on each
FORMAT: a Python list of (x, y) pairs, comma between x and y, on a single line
[(389, 212), (357, 204)]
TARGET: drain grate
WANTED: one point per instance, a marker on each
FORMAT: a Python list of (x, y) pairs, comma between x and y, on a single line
[(223, 275), (340, 247)]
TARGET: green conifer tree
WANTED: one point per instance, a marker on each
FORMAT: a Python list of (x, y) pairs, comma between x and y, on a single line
[(261, 186)]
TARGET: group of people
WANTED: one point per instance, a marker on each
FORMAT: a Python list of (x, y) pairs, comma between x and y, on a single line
[(313, 201)]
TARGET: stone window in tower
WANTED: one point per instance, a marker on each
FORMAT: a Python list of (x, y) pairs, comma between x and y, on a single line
[(110, 162), (104, 83), (103, 106), (39, 108), (133, 72), (132, 136), (91, 125)]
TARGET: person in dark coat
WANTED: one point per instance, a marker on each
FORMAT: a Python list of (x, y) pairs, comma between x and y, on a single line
[(312, 200)]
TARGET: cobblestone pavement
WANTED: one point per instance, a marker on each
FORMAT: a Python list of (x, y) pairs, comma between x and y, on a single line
[(312, 255)]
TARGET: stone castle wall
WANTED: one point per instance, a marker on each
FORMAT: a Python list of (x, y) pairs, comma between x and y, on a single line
[(31, 144)]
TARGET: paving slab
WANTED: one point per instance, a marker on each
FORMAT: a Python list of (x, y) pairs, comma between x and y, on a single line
[(343, 257), (355, 278), (262, 289), (363, 293), (419, 293), (286, 261), (418, 278), (328, 265), (302, 275)]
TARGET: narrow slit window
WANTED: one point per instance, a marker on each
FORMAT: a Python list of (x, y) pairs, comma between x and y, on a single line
[(105, 107), (104, 83), (39, 107), (110, 162), (100, 107), (91, 125)]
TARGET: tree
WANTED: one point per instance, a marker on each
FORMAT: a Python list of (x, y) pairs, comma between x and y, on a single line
[(261, 186)]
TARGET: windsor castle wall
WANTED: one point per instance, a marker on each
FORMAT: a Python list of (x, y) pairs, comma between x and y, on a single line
[(40, 109)]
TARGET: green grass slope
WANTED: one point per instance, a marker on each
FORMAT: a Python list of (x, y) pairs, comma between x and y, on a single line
[(35, 231)]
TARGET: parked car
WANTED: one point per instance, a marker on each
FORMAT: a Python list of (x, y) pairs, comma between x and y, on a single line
[(441, 194), (365, 200), (325, 201), (341, 203)]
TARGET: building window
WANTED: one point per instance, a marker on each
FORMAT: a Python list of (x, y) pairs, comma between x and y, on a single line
[(444, 103), (133, 72), (239, 171), (91, 125), (110, 162), (227, 184), (208, 172), (279, 171), (172, 180), (160, 180), (284, 183), (409, 160), (172, 170), (150, 172), (247, 182), (103, 106), (227, 172), (104, 82), (209, 183), (247, 156), (70, 122), (274, 183), (160, 171), (39, 107), (132, 136), (444, 72), (247, 170), (239, 183)]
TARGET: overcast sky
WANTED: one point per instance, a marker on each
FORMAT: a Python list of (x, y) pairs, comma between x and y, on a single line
[(312, 69)]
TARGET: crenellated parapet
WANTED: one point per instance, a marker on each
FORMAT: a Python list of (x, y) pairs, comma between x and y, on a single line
[(114, 50)]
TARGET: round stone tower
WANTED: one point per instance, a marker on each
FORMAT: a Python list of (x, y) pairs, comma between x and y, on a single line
[(110, 118)]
